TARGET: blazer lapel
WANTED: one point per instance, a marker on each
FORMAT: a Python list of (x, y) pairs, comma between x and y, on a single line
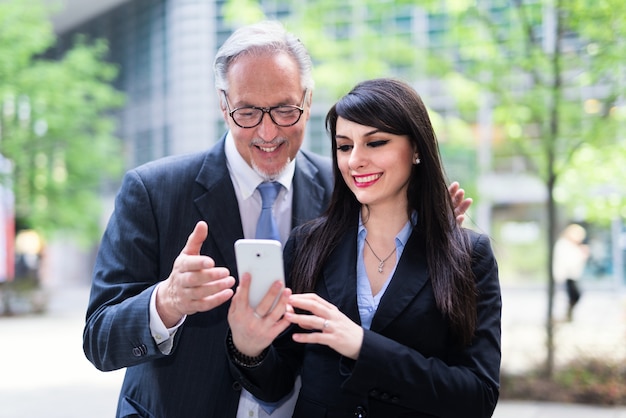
[(340, 276), (217, 203), (308, 195), (410, 277)]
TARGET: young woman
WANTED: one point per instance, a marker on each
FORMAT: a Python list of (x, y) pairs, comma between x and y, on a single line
[(396, 309)]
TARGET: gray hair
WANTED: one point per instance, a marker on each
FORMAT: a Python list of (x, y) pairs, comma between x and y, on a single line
[(259, 38)]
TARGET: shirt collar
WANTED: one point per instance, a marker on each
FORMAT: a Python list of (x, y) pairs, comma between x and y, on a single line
[(403, 235), (247, 179)]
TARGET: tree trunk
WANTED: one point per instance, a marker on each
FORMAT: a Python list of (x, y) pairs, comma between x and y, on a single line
[(552, 222), (551, 176)]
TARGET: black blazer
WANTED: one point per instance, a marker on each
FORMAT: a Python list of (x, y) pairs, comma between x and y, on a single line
[(408, 365), (156, 209)]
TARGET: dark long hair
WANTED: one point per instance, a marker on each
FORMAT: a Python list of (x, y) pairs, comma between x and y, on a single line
[(395, 107)]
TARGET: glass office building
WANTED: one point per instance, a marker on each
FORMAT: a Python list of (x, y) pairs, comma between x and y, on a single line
[(165, 51)]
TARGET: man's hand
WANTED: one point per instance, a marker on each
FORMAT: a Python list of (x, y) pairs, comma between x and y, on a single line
[(254, 329), (461, 204), (195, 284)]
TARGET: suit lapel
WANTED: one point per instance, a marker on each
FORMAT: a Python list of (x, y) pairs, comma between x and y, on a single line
[(217, 201), (410, 277), (340, 276), (218, 204), (308, 195)]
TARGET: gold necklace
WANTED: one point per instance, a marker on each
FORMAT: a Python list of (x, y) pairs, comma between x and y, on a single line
[(381, 263)]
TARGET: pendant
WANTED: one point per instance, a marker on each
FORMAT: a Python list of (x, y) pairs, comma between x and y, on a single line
[(380, 266)]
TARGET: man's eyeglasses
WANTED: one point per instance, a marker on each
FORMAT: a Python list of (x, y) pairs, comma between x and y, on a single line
[(251, 116)]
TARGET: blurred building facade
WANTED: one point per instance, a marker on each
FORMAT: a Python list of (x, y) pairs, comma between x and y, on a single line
[(165, 50)]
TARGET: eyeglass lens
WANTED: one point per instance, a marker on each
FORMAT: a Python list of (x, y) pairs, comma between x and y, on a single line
[(281, 115)]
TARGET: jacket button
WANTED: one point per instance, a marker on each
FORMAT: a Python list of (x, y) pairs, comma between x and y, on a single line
[(140, 350), (236, 386), (360, 412), (374, 393)]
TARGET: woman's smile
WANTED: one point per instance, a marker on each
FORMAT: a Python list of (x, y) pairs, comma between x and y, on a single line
[(366, 180)]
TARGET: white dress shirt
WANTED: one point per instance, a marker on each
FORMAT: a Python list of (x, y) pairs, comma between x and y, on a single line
[(245, 181)]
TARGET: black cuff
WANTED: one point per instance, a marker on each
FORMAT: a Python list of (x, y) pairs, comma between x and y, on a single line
[(241, 359)]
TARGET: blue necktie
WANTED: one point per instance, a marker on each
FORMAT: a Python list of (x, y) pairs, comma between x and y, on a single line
[(267, 228)]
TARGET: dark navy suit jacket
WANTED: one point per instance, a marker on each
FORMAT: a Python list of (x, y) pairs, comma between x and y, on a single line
[(156, 209), (409, 364)]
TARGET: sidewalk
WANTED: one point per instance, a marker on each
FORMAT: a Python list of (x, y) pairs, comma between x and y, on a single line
[(598, 330), (515, 409), (45, 373)]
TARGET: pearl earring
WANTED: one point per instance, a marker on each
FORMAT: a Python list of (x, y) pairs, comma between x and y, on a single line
[(417, 160)]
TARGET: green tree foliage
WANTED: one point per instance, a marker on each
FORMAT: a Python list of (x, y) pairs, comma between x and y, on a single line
[(594, 177), (349, 41), (55, 124), (553, 71), (357, 40), (554, 74)]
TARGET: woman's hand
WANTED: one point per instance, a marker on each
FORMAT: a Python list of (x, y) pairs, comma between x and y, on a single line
[(460, 202), (254, 330), (337, 330)]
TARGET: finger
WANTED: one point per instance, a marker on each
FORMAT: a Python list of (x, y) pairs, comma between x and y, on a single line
[(216, 299), (464, 206), (241, 295), (457, 197), (199, 288), (312, 303), (196, 239), (205, 279), (453, 188), (281, 307), (267, 303), (305, 321), (216, 285), (192, 263), (460, 209)]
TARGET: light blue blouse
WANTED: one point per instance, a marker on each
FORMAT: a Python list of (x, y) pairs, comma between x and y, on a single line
[(368, 303)]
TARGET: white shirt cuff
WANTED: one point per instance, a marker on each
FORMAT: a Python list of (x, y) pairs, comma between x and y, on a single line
[(160, 333)]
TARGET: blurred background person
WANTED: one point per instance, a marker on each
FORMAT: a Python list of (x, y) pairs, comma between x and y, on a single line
[(570, 258)]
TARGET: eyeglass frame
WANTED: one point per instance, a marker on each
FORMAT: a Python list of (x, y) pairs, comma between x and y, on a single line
[(265, 110)]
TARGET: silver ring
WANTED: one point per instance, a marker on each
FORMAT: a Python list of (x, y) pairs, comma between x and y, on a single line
[(325, 324), (256, 315)]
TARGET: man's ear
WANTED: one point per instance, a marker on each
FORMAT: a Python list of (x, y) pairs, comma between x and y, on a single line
[(222, 104), (308, 101)]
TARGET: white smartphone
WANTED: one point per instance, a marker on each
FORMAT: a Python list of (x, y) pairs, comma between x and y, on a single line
[(263, 259)]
